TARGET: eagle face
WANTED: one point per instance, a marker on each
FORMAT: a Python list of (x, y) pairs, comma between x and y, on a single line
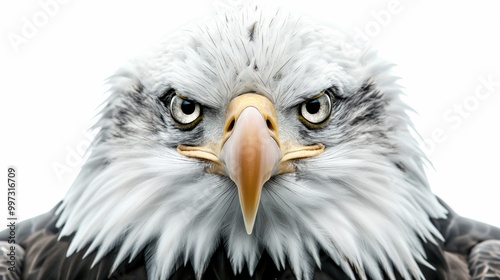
[(259, 131)]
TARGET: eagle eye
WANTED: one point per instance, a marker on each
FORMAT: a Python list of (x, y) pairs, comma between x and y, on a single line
[(185, 112), (315, 111)]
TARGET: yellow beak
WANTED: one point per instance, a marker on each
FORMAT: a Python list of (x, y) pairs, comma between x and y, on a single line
[(250, 154), (250, 151)]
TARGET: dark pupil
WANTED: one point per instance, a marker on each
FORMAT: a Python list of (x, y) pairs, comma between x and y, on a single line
[(187, 107), (312, 106)]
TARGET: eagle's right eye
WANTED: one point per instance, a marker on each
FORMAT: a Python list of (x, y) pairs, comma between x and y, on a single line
[(186, 113)]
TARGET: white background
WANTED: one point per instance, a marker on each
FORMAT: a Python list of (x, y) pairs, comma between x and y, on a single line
[(53, 80)]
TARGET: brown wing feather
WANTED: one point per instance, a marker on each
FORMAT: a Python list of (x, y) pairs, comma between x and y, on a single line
[(46, 259), (470, 246), (484, 260), (45, 255)]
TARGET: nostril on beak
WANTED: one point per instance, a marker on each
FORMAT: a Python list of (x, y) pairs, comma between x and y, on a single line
[(270, 125), (230, 126)]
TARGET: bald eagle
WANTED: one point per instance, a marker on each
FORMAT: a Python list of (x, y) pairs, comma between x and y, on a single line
[(254, 145)]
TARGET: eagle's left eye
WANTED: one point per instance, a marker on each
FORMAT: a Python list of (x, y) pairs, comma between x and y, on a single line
[(316, 111), (184, 111)]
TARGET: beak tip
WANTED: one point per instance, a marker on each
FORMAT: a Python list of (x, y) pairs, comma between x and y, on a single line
[(249, 227)]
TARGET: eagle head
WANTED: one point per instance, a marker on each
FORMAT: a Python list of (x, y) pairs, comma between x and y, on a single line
[(256, 130)]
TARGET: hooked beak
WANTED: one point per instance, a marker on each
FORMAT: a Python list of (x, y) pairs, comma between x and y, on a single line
[(250, 151)]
